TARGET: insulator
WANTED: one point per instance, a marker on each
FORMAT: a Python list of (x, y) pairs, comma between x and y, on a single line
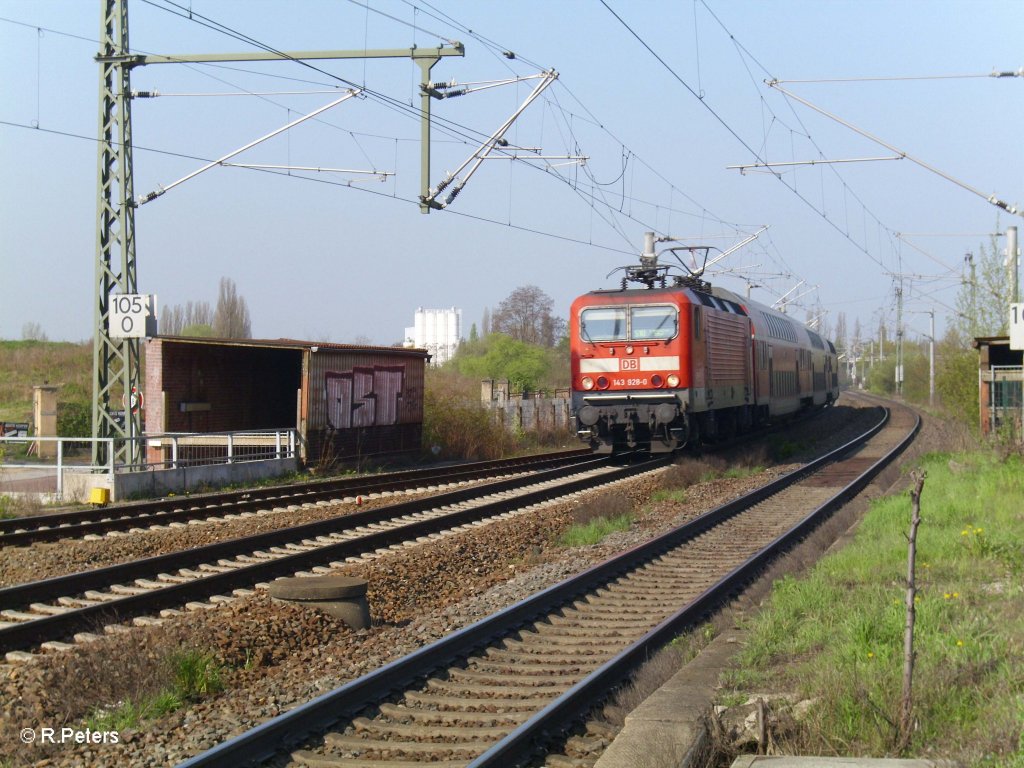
[(452, 196), (457, 92)]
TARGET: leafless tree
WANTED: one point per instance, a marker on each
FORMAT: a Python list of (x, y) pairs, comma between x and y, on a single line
[(33, 332), (840, 337), (906, 700), (194, 319), (526, 316), (231, 318)]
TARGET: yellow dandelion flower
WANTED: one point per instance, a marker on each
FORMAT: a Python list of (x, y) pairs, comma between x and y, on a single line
[(978, 530), (964, 533), (959, 643), (946, 595), (871, 655), (956, 594)]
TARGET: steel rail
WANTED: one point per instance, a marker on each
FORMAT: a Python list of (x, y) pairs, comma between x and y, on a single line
[(24, 530), (576, 701), (28, 633), (267, 738)]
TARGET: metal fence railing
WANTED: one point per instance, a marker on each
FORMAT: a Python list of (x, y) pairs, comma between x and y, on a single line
[(46, 465), (178, 449), (1005, 396)]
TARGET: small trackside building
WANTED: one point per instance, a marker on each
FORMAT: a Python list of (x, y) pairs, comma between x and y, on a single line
[(345, 401), (1000, 377)]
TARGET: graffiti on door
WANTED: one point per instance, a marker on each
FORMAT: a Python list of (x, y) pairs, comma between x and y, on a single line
[(364, 396)]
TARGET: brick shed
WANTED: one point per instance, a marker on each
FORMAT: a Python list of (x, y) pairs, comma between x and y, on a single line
[(344, 401), (999, 384)]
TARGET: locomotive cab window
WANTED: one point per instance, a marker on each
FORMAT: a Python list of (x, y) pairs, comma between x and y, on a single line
[(653, 323), (603, 324)]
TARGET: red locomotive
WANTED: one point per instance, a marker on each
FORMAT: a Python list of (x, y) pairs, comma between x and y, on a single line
[(677, 362)]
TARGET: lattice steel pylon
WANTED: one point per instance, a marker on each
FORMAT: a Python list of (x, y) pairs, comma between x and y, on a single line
[(115, 361)]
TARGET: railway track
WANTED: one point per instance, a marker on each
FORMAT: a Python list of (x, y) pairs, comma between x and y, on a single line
[(52, 611), (489, 694), (181, 510)]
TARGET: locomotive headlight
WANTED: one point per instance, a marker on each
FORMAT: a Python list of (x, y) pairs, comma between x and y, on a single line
[(629, 350), (673, 380), (656, 380), (602, 382), (588, 383)]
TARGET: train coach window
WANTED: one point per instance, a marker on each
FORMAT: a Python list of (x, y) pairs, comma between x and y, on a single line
[(653, 323), (603, 324)]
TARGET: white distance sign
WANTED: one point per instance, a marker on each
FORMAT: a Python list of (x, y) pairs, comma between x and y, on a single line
[(1017, 326), (128, 315)]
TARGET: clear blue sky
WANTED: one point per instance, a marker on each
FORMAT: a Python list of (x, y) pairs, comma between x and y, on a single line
[(321, 259)]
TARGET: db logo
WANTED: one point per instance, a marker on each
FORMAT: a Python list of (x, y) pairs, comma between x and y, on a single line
[(629, 365)]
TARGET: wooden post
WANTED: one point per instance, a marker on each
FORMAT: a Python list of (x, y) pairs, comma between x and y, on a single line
[(906, 704)]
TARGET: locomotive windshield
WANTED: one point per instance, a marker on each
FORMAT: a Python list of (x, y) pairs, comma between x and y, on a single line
[(603, 324), (641, 323), (652, 323)]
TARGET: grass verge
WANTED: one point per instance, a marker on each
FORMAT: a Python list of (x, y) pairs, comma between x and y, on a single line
[(190, 674), (835, 637), (598, 516), (595, 530)]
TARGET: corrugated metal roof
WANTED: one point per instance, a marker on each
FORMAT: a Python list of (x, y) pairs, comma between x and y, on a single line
[(292, 344)]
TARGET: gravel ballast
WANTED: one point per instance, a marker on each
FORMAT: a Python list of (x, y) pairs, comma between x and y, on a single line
[(275, 656)]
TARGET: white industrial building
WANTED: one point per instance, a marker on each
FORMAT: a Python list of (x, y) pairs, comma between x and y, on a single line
[(436, 330)]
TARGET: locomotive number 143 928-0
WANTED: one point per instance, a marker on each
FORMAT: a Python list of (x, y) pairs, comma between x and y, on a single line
[(630, 382)]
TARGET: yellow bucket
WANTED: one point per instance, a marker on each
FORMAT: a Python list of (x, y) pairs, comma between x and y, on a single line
[(99, 497)]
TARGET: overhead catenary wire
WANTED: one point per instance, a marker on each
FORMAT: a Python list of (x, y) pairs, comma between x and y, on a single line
[(448, 127), (163, 189), (704, 103), (232, 33), (505, 53), (927, 166), (900, 78), (595, 198), (199, 94), (805, 134), (328, 182)]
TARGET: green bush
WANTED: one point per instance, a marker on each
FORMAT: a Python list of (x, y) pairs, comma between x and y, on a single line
[(457, 424), (956, 382), (74, 419), (528, 366)]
